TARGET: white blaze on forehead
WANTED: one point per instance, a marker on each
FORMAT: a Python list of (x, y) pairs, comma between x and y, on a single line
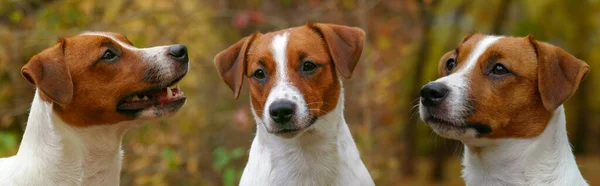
[(459, 77), (480, 48), (283, 89), (107, 35), (278, 48)]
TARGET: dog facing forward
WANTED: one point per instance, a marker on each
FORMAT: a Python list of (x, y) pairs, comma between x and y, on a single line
[(91, 89), (297, 101), (502, 97)]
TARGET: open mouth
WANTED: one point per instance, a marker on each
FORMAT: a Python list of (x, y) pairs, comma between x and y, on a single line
[(159, 97)]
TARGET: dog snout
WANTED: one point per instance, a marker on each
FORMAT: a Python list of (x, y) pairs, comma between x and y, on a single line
[(282, 111), (433, 94), (179, 52)]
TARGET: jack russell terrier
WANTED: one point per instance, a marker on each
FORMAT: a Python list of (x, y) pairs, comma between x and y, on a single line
[(502, 97), (91, 89), (297, 101)]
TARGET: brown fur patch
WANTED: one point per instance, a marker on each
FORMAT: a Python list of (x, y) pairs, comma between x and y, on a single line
[(330, 46), (512, 105), (96, 87), (321, 90)]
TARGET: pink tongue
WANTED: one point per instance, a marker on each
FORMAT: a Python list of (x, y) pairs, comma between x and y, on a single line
[(162, 97)]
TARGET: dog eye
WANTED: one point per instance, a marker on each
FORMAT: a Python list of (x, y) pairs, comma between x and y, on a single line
[(108, 55), (259, 74), (309, 66), (500, 69), (450, 64)]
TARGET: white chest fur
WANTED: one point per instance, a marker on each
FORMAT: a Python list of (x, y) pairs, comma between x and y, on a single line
[(54, 153), (326, 155), (545, 160)]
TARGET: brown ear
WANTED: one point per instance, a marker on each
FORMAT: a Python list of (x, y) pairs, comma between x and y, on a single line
[(345, 45), (231, 63), (559, 73), (48, 71)]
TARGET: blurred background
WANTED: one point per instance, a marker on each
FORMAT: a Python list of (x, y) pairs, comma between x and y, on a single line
[(207, 142)]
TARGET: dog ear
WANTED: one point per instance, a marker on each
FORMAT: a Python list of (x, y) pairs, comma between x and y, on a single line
[(231, 63), (559, 73), (345, 45), (48, 71)]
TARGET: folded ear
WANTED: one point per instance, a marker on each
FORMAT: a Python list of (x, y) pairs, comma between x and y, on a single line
[(345, 45), (559, 73), (48, 71), (231, 63)]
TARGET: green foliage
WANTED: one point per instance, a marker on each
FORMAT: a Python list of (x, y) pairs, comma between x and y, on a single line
[(222, 163), (8, 142)]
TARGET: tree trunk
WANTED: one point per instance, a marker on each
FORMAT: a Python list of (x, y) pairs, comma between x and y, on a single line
[(499, 22), (409, 135), (580, 47)]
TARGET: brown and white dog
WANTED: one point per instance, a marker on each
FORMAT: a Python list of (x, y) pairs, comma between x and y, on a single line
[(502, 97), (91, 89), (297, 101)]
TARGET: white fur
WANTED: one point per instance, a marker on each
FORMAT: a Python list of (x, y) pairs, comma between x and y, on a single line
[(55, 153), (325, 154), (544, 160)]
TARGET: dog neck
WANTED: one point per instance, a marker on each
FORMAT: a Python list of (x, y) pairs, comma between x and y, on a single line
[(544, 160), (71, 155), (323, 155)]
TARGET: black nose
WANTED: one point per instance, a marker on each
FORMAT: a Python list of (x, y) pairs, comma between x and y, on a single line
[(179, 52), (282, 111), (433, 94)]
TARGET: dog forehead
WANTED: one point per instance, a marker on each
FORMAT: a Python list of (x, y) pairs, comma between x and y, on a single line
[(290, 42), (117, 37), (515, 53)]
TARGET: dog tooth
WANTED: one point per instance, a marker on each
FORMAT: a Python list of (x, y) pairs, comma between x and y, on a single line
[(135, 98), (169, 93), (177, 86), (145, 98)]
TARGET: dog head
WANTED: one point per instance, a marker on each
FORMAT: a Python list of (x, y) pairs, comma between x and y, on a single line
[(499, 87), (292, 73), (101, 78)]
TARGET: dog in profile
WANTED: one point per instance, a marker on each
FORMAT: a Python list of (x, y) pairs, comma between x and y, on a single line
[(91, 88), (502, 98), (297, 101)]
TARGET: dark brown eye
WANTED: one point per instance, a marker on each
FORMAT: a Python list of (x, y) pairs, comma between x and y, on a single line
[(450, 64), (500, 69), (108, 56), (259, 74), (309, 66)]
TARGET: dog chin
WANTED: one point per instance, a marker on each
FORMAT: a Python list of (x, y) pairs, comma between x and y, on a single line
[(456, 129), (293, 130), (158, 112)]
